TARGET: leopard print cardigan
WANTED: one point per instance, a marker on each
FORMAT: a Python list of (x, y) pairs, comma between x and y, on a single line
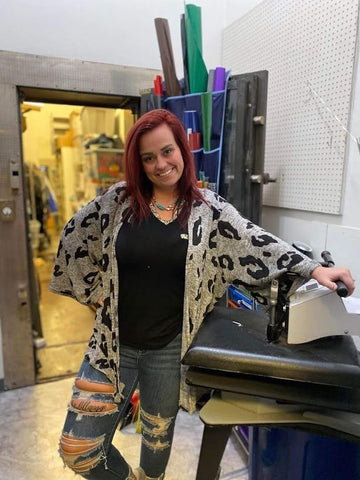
[(223, 248)]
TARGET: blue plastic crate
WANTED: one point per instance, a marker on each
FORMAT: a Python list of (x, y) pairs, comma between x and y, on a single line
[(287, 454)]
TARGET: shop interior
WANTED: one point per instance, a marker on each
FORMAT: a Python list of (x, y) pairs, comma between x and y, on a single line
[(70, 154), (276, 410)]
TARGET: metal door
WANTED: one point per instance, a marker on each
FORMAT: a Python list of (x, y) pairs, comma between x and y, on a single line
[(52, 80), (242, 166)]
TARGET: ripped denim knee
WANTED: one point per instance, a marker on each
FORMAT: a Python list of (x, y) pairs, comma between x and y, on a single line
[(157, 431), (83, 449)]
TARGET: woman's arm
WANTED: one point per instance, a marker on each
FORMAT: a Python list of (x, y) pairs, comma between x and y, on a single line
[(258, 256), (79, 263)]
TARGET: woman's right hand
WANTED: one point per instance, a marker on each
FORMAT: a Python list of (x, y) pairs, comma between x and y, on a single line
[(327, 276)]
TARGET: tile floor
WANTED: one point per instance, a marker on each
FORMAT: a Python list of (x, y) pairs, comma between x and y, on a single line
[(66, 326), (31, 419)]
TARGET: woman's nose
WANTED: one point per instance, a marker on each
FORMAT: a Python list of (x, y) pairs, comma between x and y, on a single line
[(161, 162)]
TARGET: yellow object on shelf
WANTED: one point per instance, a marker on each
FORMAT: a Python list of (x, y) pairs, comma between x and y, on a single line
[(64, 140)]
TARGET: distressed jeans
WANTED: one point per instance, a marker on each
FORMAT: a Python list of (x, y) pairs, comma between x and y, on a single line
[(93, 415)]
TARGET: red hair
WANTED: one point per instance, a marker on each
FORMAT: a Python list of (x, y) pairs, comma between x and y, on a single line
[(138, 186)]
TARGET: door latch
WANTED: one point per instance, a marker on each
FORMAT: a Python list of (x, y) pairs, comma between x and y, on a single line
[(14, 175), (263, 178)]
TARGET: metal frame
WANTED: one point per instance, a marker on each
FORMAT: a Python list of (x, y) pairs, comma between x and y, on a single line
[(51, 80)]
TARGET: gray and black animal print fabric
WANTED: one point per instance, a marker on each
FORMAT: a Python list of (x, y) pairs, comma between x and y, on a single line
[(223, 248)]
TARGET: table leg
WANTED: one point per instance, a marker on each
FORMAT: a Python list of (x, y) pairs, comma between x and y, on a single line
[(212, 449)]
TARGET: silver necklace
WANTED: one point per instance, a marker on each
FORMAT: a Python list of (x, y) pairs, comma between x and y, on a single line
[(154, 208)]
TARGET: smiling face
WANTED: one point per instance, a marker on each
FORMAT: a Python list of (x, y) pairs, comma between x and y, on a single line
[(161, 158)]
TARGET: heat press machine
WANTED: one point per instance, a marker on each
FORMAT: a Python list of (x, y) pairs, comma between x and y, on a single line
[(296, 367), (294, 314)]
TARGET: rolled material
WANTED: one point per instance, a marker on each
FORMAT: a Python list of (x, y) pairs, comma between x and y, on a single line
[(197, 71), (210, 82), (191, 121), (167, 57), (219, 79), (184, 53), (158, 89), (195, 140), (206, 113)]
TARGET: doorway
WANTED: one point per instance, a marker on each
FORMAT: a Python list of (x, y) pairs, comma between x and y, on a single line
[(55, 81), (70, 154)]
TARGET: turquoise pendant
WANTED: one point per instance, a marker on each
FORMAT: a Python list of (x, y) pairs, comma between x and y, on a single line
[(168, 208)]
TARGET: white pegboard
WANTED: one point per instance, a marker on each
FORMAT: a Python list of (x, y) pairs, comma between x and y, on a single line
[(308, 47)]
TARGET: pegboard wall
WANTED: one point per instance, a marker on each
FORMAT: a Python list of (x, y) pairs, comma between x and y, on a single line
[(308, 47)]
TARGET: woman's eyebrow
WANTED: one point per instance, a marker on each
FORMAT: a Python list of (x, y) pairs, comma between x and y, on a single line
[(152, 153)]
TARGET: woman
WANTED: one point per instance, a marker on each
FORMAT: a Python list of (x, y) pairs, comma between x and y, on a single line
[(155, 253)]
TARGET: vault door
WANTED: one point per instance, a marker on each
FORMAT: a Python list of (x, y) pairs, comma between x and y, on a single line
[(53, 80), (15, 304), (242, 167)]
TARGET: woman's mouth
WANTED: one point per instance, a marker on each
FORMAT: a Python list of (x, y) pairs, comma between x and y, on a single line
[(167, 172)]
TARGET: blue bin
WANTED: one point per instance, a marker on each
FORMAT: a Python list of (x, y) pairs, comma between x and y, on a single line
[(286, 454)]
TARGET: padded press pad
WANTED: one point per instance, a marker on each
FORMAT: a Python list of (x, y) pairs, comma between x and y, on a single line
[(234, 340)]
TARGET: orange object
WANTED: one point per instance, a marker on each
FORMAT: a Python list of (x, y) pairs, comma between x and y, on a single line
[(195, 140)]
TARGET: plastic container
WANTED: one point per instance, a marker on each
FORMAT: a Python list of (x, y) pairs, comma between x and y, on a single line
[(286, 454)]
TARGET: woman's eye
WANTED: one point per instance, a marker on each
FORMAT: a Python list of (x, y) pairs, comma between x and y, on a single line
[(168, 151), (148, 159)]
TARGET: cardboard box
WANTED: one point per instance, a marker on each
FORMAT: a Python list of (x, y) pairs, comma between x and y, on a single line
[(98, 120)]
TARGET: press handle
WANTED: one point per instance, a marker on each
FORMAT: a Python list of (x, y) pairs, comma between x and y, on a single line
[(342, 289)]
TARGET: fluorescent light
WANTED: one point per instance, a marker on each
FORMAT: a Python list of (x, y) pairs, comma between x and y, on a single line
[(34, 104)]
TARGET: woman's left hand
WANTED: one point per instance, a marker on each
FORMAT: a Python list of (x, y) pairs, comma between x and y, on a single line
[(327, 276)]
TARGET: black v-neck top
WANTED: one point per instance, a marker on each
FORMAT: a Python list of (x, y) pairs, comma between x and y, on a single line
[(151, 261)]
